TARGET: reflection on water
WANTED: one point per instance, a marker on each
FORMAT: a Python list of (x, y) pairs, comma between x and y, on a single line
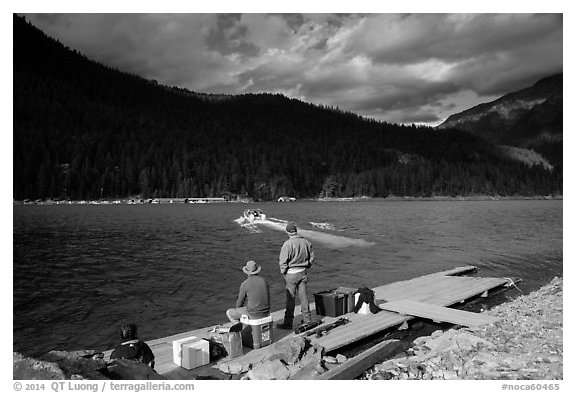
[(80, 272)]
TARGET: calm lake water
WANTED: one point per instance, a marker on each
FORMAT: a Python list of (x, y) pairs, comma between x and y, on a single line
[(80, 272)]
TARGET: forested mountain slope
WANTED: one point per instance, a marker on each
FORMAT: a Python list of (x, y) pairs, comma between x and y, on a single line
[(83, 130), (530, 118)]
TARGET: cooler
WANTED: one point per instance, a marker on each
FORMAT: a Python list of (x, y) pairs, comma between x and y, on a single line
[(190, 352), (329, 303), (257, 333), (349, 298), (195, 354)]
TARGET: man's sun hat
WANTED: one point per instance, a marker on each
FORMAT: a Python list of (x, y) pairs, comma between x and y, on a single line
[(251, 268), (291, 228)]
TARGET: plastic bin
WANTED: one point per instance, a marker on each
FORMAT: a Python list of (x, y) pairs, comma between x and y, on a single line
[(329, 303), (257, 333), (349, 298)]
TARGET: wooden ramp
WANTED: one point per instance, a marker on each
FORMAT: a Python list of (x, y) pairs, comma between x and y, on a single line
[(438, 289), (439, 314)]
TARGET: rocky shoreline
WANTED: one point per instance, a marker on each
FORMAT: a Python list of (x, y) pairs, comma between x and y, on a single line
[(525, 344)]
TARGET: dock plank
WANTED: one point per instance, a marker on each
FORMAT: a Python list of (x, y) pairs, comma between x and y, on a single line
[(360, 363), (438, 313)]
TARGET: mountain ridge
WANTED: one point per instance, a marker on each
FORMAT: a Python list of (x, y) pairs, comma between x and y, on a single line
[(529, 118)]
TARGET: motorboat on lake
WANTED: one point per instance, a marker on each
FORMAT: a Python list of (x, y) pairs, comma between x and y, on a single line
[(254, 215)]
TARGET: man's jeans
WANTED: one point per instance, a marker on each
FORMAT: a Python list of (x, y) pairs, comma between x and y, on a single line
[(296, 283)]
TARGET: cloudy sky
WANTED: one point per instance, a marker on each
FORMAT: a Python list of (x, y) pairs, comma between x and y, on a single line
[(401, 68)]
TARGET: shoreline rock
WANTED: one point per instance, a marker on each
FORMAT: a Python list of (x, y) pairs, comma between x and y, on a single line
[(526, 343), (78, 365)]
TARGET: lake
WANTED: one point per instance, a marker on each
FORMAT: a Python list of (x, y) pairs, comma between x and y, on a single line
[(81, 271)]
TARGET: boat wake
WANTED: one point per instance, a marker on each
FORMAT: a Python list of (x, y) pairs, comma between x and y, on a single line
[(324, 225), (250, 226), (334, 241), (326, 239)]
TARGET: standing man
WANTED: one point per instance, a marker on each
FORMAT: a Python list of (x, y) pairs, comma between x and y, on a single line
[(296, 257), (253, 296)]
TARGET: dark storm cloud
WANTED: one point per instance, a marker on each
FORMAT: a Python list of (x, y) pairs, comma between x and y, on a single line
[(416, 38), (405, 68), (487, 53), (294, 21), (229, 36)]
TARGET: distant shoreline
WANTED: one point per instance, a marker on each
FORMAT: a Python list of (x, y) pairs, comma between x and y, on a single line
[(178, 201), (442, 198)]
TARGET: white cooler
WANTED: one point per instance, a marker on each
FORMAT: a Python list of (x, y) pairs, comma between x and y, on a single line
[(191, 352)]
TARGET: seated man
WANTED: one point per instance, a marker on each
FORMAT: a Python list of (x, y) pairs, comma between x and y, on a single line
[(133, 348), (253, 297)]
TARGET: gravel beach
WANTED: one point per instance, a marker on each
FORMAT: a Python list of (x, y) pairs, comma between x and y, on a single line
[(525, 344)]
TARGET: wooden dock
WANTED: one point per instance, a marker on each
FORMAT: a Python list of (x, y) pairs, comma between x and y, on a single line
[(440, 290)]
